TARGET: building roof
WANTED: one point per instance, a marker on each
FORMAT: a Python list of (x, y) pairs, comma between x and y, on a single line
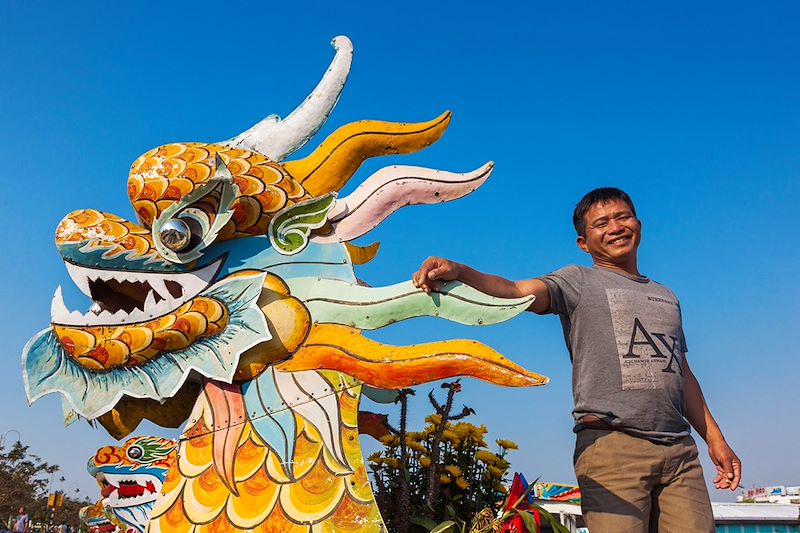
[(756, 512), (569, 508)]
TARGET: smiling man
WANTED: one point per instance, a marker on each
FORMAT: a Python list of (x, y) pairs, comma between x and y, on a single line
[(635, 395)]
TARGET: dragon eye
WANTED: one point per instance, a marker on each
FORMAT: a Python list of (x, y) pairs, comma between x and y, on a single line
[(175, 234), (135, 452)]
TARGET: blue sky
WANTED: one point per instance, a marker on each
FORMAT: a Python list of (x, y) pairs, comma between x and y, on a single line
[(690, 107)]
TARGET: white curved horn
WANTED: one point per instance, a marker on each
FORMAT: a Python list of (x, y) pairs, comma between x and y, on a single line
[(276, 138)]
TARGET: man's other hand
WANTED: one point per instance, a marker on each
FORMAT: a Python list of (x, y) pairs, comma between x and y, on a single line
[(729, 467), (433, 271)]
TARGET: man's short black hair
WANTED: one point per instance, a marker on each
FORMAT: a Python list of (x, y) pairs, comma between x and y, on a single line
[(598, 196)]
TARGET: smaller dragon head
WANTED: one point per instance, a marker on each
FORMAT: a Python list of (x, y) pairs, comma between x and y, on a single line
[(95, 519), (130, 478)]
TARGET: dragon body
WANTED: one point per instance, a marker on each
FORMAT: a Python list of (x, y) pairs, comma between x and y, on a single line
[(231, 306)]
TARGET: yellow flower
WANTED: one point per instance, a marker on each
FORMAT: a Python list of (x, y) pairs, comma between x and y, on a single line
[(415, 436), (425, 462), (470, 434), (462, 429), (415, 446), (493, 472), (451, 437), (391, 462), (390, 441), (461, 483), (433, 419), (507, 444), (375, 458), (486, 457), (444, 479), (453, 470), (502, 489)]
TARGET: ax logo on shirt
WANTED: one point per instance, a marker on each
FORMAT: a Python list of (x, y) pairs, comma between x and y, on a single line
[(649, 338), (640, 336)]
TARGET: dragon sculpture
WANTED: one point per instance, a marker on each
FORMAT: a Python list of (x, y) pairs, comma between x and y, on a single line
[(130, 479), (94, 519), (232, 306)]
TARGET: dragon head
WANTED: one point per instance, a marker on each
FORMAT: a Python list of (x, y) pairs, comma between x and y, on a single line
[(130, 478), (94, 518), (241, 262)]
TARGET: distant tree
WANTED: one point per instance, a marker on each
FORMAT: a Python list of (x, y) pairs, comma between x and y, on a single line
[(23, 481)]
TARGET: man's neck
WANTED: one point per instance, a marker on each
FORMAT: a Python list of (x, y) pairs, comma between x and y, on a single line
[(627, 267)]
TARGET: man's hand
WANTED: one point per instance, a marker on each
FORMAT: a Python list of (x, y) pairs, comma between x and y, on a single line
[(436, 270), (433, 271), (729, 468)]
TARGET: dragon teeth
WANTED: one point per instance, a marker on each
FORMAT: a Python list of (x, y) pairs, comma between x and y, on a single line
[(57, 307), (160, 286), (149, 302), (192, 283), (135, 277), (106, 275), (80, 280)]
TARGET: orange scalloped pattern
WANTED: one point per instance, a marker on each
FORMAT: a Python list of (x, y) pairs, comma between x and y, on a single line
[(106, 347), (166, 174), (321, 497), (96, 230)]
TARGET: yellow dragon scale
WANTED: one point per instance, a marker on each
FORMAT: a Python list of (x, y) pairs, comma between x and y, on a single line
[(315, 496)]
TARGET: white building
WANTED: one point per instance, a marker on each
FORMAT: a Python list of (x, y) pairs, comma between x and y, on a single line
[(729, 517), (756, 517), (775, 494)]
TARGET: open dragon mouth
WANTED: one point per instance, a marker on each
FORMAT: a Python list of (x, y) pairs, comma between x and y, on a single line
[(122, 491), (126, 297)]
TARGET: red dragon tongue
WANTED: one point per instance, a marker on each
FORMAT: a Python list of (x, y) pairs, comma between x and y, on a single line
[(107, 491), (150, 487), (130, 491)]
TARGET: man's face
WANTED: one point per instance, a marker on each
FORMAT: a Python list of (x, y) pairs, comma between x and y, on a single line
[(612, 232)]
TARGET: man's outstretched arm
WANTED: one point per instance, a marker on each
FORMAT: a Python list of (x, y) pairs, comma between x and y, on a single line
[(729, 467), (435, 270)]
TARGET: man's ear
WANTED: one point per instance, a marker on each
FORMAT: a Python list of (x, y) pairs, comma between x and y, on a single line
[(581, 242)]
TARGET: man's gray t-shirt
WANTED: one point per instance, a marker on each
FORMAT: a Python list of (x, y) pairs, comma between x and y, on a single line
[(627, 346)]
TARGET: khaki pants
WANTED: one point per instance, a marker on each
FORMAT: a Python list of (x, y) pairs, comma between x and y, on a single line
[(632, 485)]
